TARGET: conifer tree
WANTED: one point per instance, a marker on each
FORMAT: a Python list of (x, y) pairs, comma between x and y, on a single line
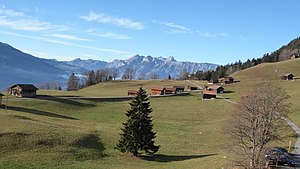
[(137, 136)]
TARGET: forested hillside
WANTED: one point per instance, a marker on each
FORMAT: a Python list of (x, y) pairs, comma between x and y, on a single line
[(291, 50)]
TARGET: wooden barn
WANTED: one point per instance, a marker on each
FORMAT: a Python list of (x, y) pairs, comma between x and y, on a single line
[(157, 90), (215, 88), (227, 80), (23, 90), (193, 87), (179, 89), (209, 94), (132, 92), (170, 90), (287, 76), (1, 98)]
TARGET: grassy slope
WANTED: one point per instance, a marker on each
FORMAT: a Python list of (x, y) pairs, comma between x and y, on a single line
[(47, 137), (272, 71), (42, 134)]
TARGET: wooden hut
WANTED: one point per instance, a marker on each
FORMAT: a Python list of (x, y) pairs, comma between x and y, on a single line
[(157, 90), (170, 90), (287, 76), (132, 92), (23, 90), (215, 88), (179, 89), (227, 80), (209, 94), (1, 98), (193, 87)]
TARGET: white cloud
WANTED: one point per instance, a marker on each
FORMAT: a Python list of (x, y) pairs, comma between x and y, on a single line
[(109, 35), (175, 28), (107, 19), (8, 12), (212, 35), (20, 21), (64, 43), (67, 37)]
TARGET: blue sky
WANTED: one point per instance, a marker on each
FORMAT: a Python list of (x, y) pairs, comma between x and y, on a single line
[(214, 31)]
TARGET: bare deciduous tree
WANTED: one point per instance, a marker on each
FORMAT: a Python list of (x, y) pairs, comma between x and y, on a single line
[(128, 74), (256, 121), (115, 73)]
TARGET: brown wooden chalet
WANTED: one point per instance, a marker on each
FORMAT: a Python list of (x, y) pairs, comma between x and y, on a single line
[(287, 76), (1, 98), (228, 80), (215, 88), (170, 90), (132, 92), (193, 87), (179, 89), (23, 90), (294, 56), (209, 94), (157, 90)]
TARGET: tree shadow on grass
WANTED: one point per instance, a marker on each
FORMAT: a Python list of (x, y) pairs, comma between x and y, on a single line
[(63, 100), (39, 112), (93, 146), (170, 158)]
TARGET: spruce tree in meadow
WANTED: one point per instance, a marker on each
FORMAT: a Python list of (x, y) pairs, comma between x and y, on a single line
[(137, 136)]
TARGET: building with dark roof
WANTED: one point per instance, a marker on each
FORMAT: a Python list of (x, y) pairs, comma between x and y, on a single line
[(287, 76), (1, 98), (209, 94), (23, 90)]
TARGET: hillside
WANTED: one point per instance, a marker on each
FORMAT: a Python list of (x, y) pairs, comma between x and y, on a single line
[(269, 71)]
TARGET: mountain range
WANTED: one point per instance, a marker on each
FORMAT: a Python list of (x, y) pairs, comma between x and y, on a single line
[(19, 67)]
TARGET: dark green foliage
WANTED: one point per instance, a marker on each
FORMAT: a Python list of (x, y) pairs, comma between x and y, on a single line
[(284, 53), (137, 135)]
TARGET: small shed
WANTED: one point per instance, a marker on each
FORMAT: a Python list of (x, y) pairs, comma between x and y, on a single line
[(170, 90), (23, 90), (132, 92), (215, 88), (209, 94), (193, 87), (287, 76), (1, 98), (179, 89), (227, 80), (157, 90)]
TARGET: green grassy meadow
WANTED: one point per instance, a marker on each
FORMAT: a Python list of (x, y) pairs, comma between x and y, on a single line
[(61, 132)]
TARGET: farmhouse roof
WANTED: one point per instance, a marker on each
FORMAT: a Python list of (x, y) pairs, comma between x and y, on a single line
[(132, 91), (209, 92), (157, 88), (214, 87), (170, 88), (25, 86), (1, 94)]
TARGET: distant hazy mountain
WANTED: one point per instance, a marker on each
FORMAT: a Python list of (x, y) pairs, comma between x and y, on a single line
[(88, 64), (145, 65), (19, 67)]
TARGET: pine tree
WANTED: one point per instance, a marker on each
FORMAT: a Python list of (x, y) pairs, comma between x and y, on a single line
[(137, 135)]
